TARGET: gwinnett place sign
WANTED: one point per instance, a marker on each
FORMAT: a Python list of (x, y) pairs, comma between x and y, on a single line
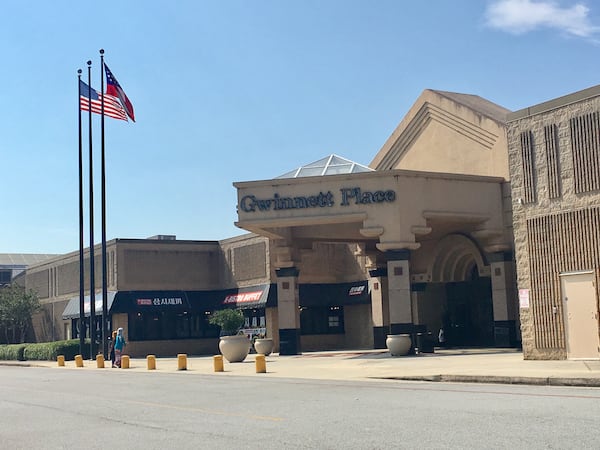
[(349, 196)]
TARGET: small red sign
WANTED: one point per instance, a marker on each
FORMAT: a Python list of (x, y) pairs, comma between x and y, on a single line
[(356, 290), (245, 297)]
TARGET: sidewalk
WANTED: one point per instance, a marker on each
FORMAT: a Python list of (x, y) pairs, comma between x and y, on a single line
[(460, 365)]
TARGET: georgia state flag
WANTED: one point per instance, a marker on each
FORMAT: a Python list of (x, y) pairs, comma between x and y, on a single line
[(114, 88)]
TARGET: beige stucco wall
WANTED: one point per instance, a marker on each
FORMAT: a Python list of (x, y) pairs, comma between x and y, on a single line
[(439, 134)]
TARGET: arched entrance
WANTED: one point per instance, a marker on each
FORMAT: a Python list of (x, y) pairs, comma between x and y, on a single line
[(461, 279)]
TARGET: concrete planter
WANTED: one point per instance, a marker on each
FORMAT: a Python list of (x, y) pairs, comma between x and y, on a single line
[(234, 348), (398, 344), (263, 346)]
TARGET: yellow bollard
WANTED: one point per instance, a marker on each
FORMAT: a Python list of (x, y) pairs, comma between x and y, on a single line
[(261, 365), (151, 362), (182, 361), (78, 361), (60, 359), (218, 363), (100, 361), (125, 362)]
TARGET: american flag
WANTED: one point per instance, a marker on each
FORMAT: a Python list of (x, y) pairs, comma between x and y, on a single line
[(112, 107)]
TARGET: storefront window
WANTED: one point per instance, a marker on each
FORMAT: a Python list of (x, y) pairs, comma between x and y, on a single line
[(156, 326), (254, 322), (322, 320), (254, 318)]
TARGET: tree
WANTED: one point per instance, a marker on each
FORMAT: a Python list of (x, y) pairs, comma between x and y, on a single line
[(17, 305)]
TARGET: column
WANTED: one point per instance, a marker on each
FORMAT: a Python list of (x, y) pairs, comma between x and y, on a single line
[(288, 304), (504, 298), (380, 312), (401, 319)]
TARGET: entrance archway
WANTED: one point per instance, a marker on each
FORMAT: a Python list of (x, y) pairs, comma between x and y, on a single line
[(461, 281)]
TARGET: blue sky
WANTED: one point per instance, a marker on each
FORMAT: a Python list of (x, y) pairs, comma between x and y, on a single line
[(229, 91)]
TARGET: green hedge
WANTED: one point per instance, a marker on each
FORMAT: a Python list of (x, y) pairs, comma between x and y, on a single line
[(45, 351), (12, 352)]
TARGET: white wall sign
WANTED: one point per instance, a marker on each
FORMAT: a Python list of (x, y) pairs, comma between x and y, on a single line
[(524, 298)]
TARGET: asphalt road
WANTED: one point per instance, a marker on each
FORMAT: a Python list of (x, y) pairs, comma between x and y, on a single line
[(56, 409)]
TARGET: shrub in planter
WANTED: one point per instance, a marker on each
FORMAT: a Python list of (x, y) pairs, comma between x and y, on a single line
[(234, 347), (230, 321)]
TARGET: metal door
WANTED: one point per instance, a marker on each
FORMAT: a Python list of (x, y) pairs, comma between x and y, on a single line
[(580, 308)]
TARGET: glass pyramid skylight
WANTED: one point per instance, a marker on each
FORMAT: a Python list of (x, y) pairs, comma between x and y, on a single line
[(331, 165)]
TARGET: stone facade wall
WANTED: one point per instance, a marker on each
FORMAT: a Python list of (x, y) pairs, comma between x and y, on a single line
[(549, 235)]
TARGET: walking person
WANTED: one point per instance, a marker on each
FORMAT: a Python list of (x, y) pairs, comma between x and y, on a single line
[(112, 348), (119, 346)]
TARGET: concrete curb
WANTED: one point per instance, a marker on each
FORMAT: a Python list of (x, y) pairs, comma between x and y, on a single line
[(577, 380), (20, 364), (493, 379)]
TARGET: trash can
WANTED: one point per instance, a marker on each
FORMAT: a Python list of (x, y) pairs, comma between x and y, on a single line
[(425, 342)]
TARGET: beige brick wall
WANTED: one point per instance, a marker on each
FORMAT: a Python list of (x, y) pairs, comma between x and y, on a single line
[(48, 324), (331, 263), (246, 261), (173, 265)]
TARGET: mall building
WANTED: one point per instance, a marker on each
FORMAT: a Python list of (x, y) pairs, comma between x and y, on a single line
[(339, 255)]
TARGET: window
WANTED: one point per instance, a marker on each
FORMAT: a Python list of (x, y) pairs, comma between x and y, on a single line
[(5, 276), (322, 320), (161, 325), (254, 318), (528, 167), (552, 160), (585, 145)]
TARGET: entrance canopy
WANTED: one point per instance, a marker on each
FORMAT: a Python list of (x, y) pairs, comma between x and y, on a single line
[(248, 297), (72, 309), (392, 209), (257, 296)]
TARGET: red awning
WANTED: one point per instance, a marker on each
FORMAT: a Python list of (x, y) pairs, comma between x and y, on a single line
[(247, 297)]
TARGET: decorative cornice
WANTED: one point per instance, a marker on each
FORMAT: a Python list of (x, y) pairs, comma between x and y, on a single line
[(371, 232)]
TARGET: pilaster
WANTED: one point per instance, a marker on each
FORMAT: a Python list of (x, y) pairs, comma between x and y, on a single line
[(288, 308)]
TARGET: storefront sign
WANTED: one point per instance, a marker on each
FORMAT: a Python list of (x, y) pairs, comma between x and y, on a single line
[(160, 301), (356, 290), (254, 332), (349, 196), (245, 297)]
